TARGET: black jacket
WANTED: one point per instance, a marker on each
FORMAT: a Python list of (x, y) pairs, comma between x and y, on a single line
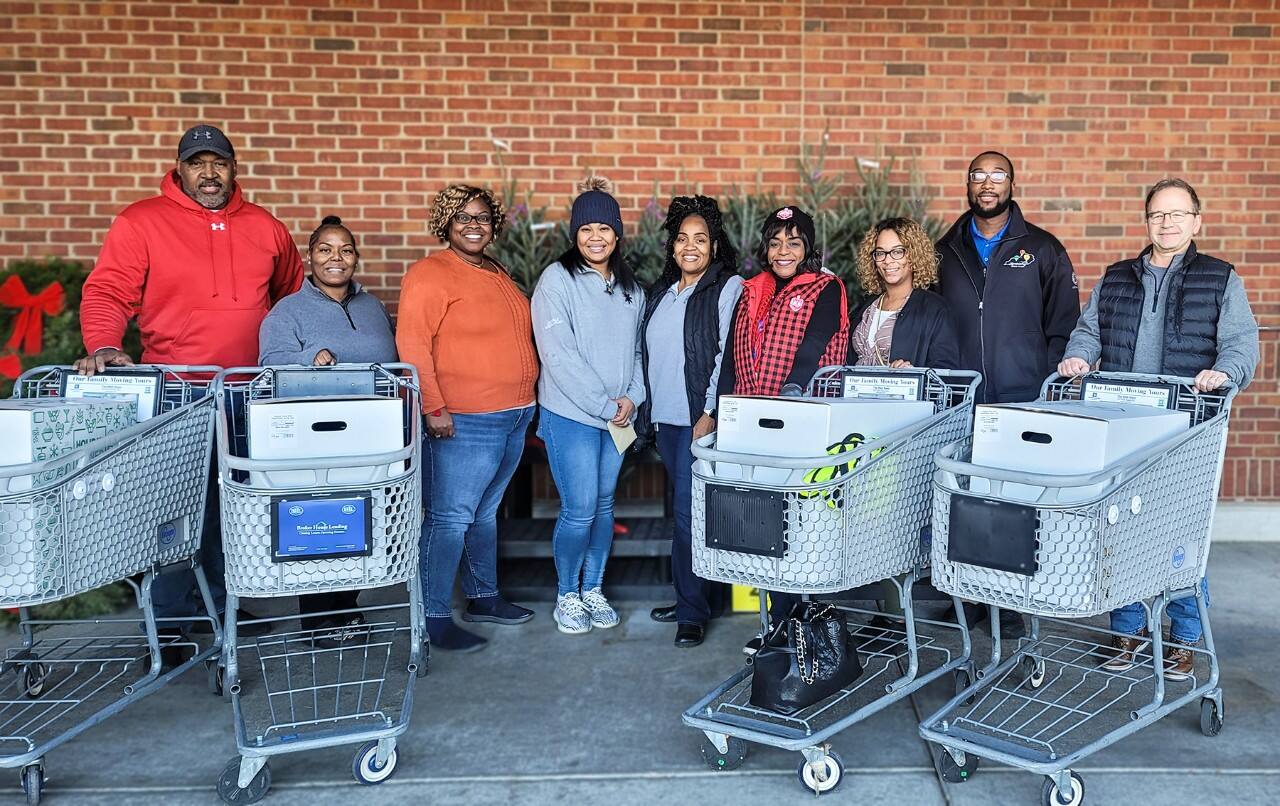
[(701, 342), (1014, 323), (924, 333)]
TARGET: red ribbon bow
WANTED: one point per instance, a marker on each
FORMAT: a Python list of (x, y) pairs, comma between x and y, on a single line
[(10, 366), (28, 325)]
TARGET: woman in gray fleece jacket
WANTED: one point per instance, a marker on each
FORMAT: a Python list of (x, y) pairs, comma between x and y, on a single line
[(586, 323), (330, 319)]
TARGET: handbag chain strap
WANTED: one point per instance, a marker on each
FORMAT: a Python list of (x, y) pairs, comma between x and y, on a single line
[(808, 671)]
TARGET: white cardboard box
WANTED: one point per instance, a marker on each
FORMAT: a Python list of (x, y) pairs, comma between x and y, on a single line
[(1064, 437), (804, 426), (324, 428), (37, 429)]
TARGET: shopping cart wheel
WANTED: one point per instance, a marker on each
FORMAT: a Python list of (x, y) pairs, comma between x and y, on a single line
[(1033, 671), (954, 772), (1050, 795), (825, 778), (365, 765), (230, 791), (731, 759), (33, 782), (1210, 717), (215, 676), (34, 676)]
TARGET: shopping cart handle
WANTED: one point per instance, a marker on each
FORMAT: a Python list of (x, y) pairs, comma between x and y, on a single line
[(1228, 390)]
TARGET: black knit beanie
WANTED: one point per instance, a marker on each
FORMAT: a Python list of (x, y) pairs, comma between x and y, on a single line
[(595, 206)]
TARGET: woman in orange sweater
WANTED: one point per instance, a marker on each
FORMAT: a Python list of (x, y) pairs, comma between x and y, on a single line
[(465, 325)]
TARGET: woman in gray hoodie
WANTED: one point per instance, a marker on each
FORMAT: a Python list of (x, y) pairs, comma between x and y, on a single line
[(586, 311), (330, 319)]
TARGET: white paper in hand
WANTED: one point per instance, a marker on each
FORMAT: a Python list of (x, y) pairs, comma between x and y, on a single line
[(623, 436)]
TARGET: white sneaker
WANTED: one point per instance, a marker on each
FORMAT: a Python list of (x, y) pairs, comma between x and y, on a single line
[(602, 614), (572, 618)]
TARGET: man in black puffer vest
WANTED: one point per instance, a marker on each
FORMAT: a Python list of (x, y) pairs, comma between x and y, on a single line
[(1170, 311)]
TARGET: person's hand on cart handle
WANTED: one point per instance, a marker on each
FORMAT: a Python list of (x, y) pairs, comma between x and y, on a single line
[(900, 363), (324, 358), (440, 424), (705, 425), (1208, 380), (1071, 367), (99, 361), (625, 409)]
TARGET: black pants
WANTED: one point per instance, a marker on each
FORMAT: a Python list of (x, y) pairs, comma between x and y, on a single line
[(697, 600)]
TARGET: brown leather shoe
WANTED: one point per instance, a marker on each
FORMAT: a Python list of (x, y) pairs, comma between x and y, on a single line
[(1179, 660), (1125, 651)]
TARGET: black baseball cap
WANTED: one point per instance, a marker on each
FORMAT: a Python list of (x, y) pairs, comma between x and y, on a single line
[(202, 138)]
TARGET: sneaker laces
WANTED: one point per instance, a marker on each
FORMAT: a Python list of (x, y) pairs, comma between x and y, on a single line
[(594, 600), (571, 605)]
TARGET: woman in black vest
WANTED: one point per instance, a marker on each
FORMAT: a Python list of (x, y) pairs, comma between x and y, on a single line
[(686, 320)]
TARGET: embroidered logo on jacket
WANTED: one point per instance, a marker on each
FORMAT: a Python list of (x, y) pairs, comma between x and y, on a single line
[(217, 226), (1021, 260)]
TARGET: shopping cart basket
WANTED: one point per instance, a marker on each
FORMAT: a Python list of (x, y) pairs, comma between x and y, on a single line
[(123, 508), (862, 526), (294, 690), (1140, 534)]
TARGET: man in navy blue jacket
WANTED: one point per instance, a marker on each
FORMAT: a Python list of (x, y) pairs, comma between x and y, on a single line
[(1010, 287), (1013, 296)]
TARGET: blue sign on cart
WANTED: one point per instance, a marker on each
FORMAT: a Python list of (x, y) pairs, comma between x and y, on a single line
[(321, 526)]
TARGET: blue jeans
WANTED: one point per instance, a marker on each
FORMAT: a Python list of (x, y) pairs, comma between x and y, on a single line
[(585, 465), (1184, 617), (464, 479)]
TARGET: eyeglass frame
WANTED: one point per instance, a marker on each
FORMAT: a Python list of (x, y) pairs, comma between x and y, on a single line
[(884, 255), (466, 218), (1164, 215), (988, 175)]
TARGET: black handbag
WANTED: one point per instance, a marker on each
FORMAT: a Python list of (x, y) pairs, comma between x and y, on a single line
[(805, 658)]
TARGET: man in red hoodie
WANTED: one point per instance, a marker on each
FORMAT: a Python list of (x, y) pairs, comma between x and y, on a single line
[(198, 264), (200, 267)]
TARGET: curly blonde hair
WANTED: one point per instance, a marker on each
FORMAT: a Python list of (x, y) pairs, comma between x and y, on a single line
[(922, 257), (450, 201)]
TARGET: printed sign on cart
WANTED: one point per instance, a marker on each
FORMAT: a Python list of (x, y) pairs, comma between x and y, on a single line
[(323, 526)]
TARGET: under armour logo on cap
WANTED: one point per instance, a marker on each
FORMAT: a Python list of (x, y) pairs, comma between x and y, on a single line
[(202, 138)]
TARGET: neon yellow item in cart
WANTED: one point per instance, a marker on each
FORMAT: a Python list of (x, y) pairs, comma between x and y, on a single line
[(820, 475)]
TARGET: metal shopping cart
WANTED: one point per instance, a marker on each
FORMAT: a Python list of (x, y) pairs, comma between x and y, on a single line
[(125, 507), (865, 525), (300, 689), (1137, 531)]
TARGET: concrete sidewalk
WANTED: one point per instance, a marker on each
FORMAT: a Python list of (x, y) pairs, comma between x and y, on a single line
[(541, 718)]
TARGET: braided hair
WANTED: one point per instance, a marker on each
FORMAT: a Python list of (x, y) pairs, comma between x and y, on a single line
[(705, 207)]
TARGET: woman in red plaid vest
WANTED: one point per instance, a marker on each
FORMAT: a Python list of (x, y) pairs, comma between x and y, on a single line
[(791, 320)]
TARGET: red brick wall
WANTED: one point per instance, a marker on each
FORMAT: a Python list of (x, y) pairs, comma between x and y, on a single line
[(365, 108)]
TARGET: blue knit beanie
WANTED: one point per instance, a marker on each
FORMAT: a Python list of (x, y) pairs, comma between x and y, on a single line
[(595, 206)]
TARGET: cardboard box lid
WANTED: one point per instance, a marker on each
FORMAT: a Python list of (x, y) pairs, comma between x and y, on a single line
[(1095, 411)]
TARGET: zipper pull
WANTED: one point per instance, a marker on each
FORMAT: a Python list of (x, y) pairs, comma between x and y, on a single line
[(979, 306)]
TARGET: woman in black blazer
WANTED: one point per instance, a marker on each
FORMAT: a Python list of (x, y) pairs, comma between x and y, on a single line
[(901, 323)]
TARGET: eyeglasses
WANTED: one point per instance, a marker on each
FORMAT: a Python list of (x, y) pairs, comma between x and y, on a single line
[(1176, 216), (880, 255), (978, 177), (467, 218)]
